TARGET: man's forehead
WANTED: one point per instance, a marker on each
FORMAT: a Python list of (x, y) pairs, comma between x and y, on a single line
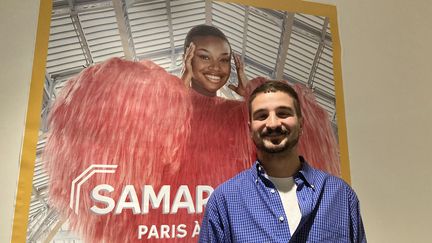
[(272, 100)]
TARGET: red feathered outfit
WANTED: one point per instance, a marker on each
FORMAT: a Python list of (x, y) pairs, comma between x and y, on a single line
[(159, 133)]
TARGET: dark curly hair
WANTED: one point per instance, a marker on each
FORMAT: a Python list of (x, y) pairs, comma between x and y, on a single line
[(274, 86)]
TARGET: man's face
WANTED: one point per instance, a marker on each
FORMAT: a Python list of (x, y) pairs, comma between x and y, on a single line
[(274, 124), (211, 63)]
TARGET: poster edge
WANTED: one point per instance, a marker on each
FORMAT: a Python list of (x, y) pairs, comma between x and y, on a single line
[(31, 130), (28, 155)]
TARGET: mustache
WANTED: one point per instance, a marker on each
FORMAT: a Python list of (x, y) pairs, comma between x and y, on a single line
[(280, 130)]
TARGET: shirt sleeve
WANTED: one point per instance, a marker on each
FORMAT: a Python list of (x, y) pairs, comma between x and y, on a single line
[(358, 234), (214, 224)]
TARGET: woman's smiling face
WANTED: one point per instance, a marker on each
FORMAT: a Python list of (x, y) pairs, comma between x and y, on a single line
[(211, 64)]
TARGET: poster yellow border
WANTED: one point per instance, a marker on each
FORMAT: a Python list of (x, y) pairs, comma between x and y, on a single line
[(28, 154), (36, 87)]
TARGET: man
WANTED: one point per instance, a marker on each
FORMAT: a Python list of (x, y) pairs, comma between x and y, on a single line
[(281, 198)]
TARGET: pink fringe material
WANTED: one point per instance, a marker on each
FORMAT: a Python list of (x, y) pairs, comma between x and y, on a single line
[(139, 117)]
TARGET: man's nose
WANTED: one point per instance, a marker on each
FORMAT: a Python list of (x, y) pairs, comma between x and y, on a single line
[(273, 121)]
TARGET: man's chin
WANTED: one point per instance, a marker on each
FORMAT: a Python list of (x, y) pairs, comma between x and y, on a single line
[(274, 148)]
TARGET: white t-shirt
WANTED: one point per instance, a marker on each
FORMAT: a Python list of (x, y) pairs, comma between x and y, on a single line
[(287, 191)]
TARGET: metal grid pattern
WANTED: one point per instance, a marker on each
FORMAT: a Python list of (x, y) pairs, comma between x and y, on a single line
[(64, 48), (149, 26), (263, 37), (223, 15), (274, 44), (102, 34)]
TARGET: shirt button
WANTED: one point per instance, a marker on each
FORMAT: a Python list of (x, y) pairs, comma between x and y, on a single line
[(259, 168), (281, 219), (272, 191)]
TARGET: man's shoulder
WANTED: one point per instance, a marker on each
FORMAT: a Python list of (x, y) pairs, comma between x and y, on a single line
[(329, 182), (234, 185), (329, 178)]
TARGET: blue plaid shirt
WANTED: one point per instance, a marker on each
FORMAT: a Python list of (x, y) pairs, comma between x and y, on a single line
[(247, 208)]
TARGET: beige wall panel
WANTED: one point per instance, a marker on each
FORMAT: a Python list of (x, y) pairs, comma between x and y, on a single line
[(386, 58), (18, 20)]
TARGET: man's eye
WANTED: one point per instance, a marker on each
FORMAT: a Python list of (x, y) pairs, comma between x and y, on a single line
[(284, 114), (260, 117), (226, 60)]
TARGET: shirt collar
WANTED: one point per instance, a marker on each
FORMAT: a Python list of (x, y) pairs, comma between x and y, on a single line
[(305, 173)]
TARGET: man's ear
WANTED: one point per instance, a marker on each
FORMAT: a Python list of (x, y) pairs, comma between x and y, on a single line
[(250, 128)]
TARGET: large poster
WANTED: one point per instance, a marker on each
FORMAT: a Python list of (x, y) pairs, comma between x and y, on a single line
[(127, 151)]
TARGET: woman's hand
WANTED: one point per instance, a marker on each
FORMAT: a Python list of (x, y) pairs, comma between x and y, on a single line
[(187, 65), (240, 89)]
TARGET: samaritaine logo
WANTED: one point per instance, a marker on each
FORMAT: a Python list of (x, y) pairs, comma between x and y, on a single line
[(82, 178), (139, 200)]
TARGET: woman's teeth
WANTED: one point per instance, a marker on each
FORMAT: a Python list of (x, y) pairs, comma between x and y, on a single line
[(213, 78)]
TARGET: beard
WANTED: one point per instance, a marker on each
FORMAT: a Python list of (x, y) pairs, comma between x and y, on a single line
[(283, 141)]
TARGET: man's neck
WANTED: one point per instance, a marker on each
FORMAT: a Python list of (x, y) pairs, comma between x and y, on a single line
[(284, 164)]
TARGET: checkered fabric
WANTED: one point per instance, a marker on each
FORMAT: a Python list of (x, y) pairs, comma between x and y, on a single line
[(247, 208)]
